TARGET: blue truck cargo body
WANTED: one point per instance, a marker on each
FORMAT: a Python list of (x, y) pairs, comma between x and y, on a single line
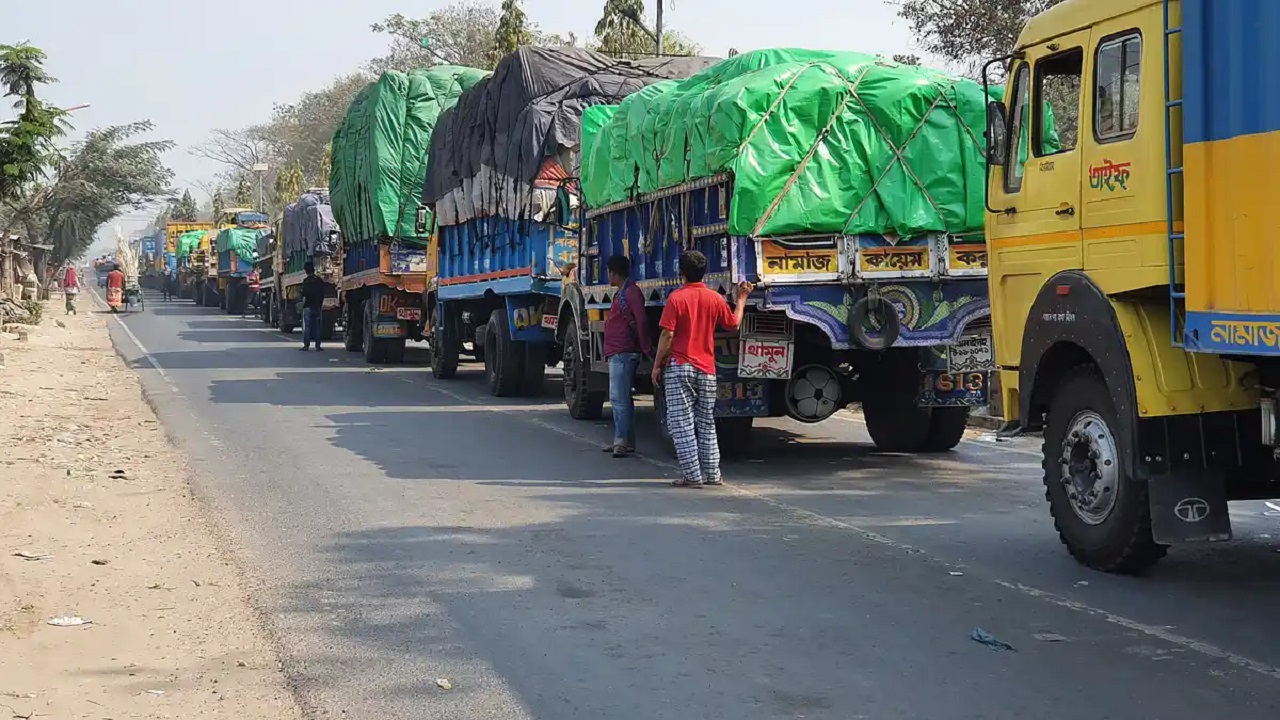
[(231, 265)]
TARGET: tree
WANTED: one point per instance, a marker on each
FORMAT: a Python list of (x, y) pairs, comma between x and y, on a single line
[(236, 150), (300, 131), (513, 29), (26, 142), (326, 167), (217, 205), (464, 33), (243, 195), (184, 210), (906, 59), (969, 32), (103, 174), (289, 185), (458, 34), (621, 31)]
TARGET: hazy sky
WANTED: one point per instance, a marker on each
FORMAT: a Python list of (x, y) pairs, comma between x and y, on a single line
[(191, 66)]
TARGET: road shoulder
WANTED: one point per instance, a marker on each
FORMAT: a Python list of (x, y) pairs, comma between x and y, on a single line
[(98, 524)]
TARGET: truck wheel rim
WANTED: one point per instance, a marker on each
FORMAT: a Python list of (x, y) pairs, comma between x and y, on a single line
[(1090, 464)]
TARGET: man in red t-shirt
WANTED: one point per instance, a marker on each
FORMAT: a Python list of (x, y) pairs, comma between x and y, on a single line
[(686, 360)]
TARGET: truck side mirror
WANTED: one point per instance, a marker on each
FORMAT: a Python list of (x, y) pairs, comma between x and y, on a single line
[(997, 133), (420, 220), (564, 209)]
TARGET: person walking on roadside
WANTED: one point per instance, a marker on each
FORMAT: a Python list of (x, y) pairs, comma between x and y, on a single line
[(312, 303), (684, 368), (626, 340), (71, 288)]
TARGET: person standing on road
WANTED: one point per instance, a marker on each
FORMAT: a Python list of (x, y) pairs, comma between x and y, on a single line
[(626, 339), (686, 361), (71, 288), (312, 304), (251, 302), (166, 283)]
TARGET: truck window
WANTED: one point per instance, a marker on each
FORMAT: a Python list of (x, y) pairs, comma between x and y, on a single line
[(1018, 131), (1057, 104), (1117, 72)]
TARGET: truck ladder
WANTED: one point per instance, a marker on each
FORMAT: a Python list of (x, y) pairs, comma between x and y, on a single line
[(1173, 185)]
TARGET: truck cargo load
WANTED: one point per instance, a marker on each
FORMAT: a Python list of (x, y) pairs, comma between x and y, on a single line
[(521, 125), (500, 161), (817, 142), (380, 153)]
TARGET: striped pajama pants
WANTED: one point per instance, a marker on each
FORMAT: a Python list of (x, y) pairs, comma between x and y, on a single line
[(691, 420)]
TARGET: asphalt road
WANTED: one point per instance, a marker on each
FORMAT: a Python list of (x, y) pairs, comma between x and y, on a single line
[(403, 530)]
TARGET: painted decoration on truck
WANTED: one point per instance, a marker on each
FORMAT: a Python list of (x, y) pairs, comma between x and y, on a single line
[(931, 313)]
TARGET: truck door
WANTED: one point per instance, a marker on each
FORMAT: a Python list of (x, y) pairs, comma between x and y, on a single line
[(1038, 190)]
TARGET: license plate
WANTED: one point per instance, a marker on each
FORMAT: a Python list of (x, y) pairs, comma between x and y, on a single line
[(942, 389), (329, 303), (765, 359), (387, 330), (550, 321), (408, 313), (971, 353), (783, 261), (742, 398), (893, 260)]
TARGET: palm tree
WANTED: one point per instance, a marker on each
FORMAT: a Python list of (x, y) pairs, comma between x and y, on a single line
[(26, 142)]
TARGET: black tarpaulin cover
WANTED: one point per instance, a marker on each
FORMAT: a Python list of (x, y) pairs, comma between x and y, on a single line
[(523, 123)]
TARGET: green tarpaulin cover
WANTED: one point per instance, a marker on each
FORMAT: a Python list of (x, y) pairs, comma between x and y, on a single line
[(380, 150), (817, 142), (242, 240), (188, 242)]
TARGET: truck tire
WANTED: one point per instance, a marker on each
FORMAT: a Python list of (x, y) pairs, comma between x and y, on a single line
[(894, 421), (375, 351), (946, 429), (733, 435), (444, 349), (582, 403), (533, 381), (287, 317), (503, 358), (395, 350), (353, 326), (236, 298), (222, 299), (884, 314), (1101, 512), (328, 324)]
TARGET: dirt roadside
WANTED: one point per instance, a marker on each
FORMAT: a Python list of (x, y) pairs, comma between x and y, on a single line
[(96, 499)]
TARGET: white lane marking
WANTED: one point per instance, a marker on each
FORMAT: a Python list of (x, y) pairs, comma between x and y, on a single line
[(818, 520), (146, 354), (1203, 648)]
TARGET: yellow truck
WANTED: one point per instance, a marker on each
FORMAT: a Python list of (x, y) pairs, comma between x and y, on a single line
[(1134, 275), (191, 267)]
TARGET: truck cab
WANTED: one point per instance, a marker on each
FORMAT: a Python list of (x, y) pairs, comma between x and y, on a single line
[(1150, 426)]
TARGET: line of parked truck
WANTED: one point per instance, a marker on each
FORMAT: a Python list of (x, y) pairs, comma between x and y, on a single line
[(887, 215)]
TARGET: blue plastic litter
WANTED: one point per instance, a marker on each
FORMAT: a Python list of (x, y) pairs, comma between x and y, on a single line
[(990, 640)]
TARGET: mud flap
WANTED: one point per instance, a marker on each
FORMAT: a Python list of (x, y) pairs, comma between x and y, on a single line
[(1189, 505)]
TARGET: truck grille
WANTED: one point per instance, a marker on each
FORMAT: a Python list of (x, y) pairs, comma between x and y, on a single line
[(767, 325)]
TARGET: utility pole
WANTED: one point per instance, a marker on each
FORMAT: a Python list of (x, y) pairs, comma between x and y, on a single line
[(261, 170), (658, 24)]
